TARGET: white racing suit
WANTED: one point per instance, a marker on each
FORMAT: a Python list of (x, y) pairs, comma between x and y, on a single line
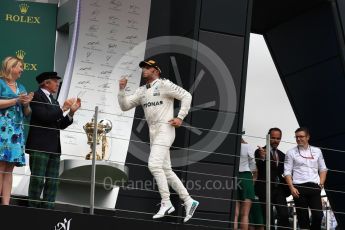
[(157, 100)]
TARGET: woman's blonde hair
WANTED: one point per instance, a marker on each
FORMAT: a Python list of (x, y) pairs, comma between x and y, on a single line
[(7, 64)]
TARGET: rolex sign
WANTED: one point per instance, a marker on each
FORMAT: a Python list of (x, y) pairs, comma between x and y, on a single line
[(28, 32)]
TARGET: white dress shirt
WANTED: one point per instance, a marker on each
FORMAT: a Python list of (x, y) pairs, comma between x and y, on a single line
[(47, 93), (247, 159), (304, 165)]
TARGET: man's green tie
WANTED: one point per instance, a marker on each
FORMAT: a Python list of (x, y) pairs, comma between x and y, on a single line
[(52, 100)]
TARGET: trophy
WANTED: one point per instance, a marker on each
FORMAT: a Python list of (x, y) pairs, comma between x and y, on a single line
[(103, 127)]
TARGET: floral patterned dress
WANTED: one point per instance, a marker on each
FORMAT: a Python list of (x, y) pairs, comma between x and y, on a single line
[(11, 127)]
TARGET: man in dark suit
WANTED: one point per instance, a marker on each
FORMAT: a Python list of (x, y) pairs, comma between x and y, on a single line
[(43, 143), (279, 189)]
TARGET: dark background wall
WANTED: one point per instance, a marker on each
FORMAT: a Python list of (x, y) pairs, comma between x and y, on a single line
[(306, 41), (223, 26)]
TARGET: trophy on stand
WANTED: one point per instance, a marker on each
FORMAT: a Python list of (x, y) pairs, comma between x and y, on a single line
[(79, 177), (103, 127)]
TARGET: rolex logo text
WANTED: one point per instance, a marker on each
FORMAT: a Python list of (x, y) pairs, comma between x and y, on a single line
[(23, 18), (27, 66)]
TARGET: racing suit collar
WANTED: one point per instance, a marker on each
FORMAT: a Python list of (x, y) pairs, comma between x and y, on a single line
[(149, 85)]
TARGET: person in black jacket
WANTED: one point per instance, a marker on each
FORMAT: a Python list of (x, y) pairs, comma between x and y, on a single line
[(43, 143), (279, 189)]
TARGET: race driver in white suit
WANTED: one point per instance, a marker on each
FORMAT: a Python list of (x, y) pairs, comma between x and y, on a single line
[(157, 99)]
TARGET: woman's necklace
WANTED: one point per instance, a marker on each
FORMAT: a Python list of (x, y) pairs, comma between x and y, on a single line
[(11, 84)]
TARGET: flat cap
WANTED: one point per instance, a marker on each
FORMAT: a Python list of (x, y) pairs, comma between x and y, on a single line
[(47, 75)]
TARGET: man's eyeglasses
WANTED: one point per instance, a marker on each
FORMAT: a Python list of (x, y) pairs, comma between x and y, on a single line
[(299, 137)]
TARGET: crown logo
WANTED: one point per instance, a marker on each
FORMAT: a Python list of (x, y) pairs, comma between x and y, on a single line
[(23, 8), (20, 54)]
